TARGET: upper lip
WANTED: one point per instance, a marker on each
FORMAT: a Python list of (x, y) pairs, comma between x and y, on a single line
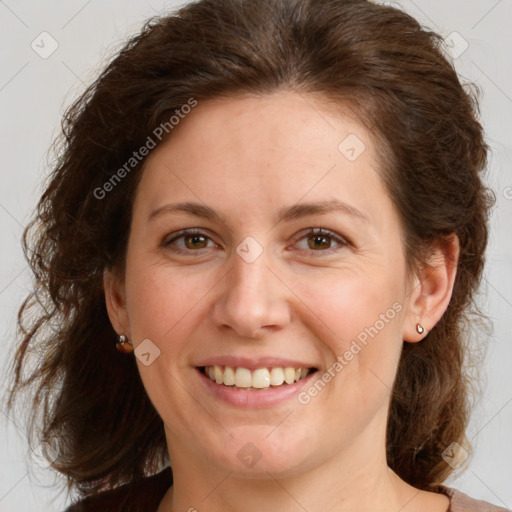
[(253, 363)]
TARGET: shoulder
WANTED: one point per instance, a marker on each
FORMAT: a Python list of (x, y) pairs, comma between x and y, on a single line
[(142, 495), (460, 502)]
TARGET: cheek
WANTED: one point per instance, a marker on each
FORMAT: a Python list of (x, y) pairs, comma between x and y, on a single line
[(358, 318), (351, 305), (161, 300)]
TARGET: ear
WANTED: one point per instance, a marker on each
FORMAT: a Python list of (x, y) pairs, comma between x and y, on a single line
[(115, 300), (431, 289)]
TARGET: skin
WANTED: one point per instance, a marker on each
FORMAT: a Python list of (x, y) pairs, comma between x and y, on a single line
[(247, 157)]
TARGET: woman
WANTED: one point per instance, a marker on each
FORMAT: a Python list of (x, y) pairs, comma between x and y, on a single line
[(275, 211)]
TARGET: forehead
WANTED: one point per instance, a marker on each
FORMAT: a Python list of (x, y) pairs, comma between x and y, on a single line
[(252, 151), (275, 124)]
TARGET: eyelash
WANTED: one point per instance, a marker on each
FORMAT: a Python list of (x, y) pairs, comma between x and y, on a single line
[(167, 242)]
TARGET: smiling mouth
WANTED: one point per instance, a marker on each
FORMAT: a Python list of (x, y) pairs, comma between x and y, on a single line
[(260, 379)]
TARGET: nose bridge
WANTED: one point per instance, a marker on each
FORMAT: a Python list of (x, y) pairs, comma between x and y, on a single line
[(252, 297)]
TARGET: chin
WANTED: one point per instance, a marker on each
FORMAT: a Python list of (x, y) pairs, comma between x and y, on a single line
[(256, 451)]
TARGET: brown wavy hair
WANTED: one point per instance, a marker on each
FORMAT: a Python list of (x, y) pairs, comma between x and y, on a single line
[(88, 402)]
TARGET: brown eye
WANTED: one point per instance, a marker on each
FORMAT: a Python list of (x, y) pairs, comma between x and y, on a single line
[(316, 242), (320, 241), (195, 241), (187, 242)]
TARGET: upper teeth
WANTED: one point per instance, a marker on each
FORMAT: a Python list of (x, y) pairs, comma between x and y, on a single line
[(259, 378)]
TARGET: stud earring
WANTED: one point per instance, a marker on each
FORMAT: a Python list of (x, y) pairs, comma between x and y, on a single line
[(124, 345), (419, 328)]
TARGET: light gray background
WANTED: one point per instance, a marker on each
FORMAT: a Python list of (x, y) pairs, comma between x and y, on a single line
[(34, 92)]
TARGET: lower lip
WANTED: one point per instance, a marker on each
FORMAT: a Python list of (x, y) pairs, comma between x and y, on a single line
[(254, 399)]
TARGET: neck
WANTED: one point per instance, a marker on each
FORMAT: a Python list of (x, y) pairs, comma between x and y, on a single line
[(350, 481)]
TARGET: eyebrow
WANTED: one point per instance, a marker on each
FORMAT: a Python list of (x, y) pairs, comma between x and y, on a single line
[(285, 214)]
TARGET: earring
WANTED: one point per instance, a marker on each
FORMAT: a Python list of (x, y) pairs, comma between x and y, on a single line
[(124, 345), (419, 328)]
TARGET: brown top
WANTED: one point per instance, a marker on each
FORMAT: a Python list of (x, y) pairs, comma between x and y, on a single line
[(460, 502), (145, 495)]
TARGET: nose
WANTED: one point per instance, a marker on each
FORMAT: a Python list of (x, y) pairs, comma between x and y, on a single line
[(252, 299)]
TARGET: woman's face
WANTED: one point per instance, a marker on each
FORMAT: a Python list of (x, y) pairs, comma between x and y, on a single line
[(253, 288)]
